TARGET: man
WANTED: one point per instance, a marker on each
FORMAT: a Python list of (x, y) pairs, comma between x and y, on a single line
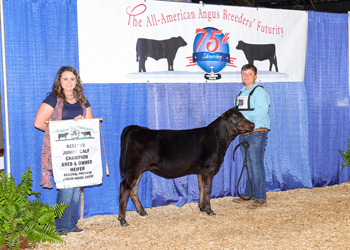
[(253, 102)]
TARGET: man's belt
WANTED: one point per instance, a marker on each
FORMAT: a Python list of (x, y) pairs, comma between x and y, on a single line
[(257, 130)]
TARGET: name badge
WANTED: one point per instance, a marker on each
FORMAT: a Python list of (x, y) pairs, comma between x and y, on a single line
[(242, 102)]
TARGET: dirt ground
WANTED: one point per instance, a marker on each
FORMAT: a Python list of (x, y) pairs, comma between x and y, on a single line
[(317, 218)]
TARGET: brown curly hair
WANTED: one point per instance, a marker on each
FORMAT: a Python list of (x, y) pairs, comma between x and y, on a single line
[(78, 91)]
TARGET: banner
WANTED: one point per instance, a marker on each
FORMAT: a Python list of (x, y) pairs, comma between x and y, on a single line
[(132, 41), (76, 153)]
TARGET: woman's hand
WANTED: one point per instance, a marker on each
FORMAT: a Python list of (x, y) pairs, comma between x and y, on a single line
[(79, 117), (88, 115)]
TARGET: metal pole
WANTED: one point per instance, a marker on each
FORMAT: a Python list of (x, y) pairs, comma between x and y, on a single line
[(4, 76)]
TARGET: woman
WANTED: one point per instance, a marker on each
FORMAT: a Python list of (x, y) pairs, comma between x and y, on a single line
[(66, 101)]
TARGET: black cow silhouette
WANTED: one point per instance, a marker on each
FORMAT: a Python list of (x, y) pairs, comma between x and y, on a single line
[(158, 49), (62, 136), (88, 133), (259, 52)]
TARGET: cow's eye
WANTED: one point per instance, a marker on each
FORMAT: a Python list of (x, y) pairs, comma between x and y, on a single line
[(236, 119)]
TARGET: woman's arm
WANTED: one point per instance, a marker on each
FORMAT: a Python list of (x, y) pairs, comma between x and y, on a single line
[(43, 115), (89, 113)]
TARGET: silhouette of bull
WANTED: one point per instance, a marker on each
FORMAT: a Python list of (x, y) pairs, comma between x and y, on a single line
[(62, 136), (259, 52), (88, 133), (157, 50)]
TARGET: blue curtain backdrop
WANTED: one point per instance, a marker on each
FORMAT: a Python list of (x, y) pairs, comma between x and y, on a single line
[(41, 36), (309, 120), (327, 91)]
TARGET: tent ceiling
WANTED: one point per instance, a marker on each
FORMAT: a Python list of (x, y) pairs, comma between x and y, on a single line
[(333, 6)]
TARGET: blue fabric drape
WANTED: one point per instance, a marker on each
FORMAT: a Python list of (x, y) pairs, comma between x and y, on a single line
[(327, 90), (41, 36), (286, 156), (309, 120)]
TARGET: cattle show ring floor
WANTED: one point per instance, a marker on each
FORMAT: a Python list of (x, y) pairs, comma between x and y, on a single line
[(317, 218)]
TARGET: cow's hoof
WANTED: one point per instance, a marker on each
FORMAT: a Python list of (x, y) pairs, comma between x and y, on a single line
[(142, 213), (124, 224), (202, 209), (210, 212)]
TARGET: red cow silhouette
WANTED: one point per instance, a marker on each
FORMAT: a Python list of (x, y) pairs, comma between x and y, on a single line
[(158, 50), (259, 52)]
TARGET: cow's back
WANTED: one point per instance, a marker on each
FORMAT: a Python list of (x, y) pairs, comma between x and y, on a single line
[(263, 51), (149, 48), (257, 51), (144, 45), (166, 152)]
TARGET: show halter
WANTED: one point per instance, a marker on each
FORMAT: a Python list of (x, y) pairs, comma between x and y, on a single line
[(245, 144)]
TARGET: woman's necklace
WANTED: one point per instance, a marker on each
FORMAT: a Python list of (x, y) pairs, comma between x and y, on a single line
[(70, 98)]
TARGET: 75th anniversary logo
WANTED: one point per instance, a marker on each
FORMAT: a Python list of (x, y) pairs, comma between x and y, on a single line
[(211, 52)]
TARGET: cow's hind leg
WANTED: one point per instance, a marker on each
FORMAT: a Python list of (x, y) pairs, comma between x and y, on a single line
[(271, 63), (123, 199), (135, 198), (126, 188), (201, 193), (142, 63)]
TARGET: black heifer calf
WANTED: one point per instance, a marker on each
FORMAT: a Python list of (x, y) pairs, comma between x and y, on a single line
[(175, 153)]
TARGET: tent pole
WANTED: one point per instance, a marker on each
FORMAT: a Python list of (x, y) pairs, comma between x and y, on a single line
[(4, 76)]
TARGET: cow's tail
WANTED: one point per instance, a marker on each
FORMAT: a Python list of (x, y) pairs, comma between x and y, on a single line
[(124, 142)]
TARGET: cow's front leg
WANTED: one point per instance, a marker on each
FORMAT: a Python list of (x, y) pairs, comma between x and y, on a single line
[(171, 65), (201, 193), (207, 190), (144, 65), (135, 198)]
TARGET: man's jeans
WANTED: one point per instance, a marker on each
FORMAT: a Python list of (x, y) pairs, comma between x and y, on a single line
[(255, 161), (71, 197)]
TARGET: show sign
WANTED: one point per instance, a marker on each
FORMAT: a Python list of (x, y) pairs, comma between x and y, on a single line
[(134, 41), (76, 153)]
